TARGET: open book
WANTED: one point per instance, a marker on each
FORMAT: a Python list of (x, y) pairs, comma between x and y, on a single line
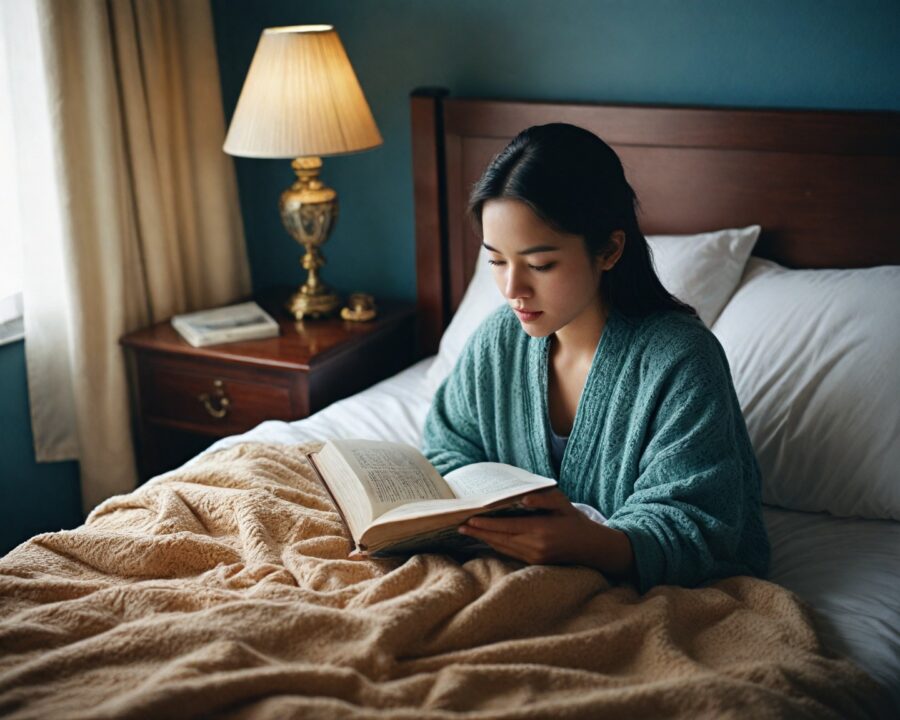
[(394, 501)]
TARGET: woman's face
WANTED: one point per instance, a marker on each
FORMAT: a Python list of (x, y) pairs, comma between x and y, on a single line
[(548, 274)]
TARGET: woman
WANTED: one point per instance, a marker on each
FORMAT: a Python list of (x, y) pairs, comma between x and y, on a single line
[(594, 374)]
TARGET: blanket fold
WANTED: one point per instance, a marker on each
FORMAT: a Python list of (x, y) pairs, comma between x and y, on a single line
[(223, 589)]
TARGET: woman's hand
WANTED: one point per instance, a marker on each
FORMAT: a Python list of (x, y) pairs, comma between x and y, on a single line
[(563, 535)]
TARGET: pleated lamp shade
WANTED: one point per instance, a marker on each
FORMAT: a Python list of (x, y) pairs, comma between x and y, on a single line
[(301, 98)]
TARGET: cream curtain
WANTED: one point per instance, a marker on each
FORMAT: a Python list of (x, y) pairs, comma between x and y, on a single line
[(148, 222)]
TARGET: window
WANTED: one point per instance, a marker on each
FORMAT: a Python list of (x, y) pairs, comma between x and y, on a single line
[(23, 130), (11, 321)]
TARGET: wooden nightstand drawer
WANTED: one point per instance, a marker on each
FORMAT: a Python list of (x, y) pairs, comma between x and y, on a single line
[(187, 396), (212, 402)]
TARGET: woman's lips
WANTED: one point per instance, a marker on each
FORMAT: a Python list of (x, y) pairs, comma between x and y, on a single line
[(528, 316)]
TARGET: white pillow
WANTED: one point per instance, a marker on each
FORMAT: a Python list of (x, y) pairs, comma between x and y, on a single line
[(814, 356), (480, 299), (702, 270)]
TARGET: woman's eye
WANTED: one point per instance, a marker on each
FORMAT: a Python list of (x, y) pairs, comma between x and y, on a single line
[(537, 268)]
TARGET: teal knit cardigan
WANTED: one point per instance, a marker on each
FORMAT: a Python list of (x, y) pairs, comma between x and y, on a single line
[(659, 444)]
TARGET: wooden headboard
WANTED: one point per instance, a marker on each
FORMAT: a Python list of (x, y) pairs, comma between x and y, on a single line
[(824, 186)]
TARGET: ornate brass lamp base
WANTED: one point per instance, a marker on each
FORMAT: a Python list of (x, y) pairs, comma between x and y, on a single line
[(312, 306), (309, 210)]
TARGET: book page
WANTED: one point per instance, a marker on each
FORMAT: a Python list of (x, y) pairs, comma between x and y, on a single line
[(392, 474), (476, 486), (490, 478)]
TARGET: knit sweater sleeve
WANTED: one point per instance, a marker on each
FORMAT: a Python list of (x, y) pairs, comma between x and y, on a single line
[(452, 435), (698, 478)]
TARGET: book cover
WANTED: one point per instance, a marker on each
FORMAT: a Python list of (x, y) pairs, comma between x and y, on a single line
[(233, 323)]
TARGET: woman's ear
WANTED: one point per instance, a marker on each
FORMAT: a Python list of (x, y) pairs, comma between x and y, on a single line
[(614, 251)]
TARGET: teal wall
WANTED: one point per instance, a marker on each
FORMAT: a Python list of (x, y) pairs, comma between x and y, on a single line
[(33, 498), (765, 53)]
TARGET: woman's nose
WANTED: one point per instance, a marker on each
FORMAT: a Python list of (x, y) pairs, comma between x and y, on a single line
[(516, 285)]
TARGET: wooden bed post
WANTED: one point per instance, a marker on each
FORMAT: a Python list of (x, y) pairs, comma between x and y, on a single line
[(432, 284)]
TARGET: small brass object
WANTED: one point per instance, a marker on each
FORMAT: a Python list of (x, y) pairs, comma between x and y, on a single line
[(217, 403), (360, 308)]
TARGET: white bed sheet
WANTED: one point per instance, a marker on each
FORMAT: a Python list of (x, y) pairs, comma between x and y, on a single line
[(848, 570), (393, 409)]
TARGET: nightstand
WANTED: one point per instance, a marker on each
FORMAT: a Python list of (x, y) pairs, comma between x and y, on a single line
[(187, 397)]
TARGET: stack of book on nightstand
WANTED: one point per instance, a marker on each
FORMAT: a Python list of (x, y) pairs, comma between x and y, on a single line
[(246, 321)]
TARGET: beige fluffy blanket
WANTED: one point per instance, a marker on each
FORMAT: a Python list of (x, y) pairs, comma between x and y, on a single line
[(223, 589)]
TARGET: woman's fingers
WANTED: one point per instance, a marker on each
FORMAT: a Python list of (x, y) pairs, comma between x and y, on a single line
[(553, 499), (508, 525), (532, 538), (511, 545), (544, 500)]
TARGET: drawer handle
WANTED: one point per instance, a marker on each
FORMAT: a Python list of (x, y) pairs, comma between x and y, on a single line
[(217, 404)]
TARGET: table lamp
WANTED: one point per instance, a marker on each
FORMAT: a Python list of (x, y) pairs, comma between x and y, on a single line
[(301, 100)]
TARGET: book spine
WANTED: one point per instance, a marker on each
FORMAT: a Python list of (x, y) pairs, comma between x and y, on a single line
[(223, 336), (186, 333), (238, 334)]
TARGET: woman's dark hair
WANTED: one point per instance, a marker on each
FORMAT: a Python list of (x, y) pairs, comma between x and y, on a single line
[(575, 183)]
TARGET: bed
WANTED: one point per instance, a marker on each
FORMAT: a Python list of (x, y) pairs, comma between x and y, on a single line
[(220, 588)]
